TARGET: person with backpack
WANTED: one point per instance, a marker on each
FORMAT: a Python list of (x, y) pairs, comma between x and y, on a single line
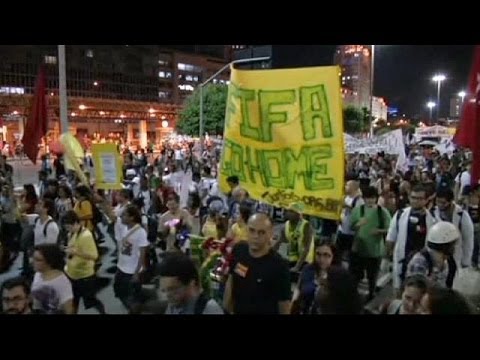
[(447, 210), (414, 289), (46, 229), (370, 223), (407, 233), (436, 261), (345, 235)]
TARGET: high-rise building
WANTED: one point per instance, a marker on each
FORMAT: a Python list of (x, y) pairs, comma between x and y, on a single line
[(455, 107), (111, 88), (355, 64)]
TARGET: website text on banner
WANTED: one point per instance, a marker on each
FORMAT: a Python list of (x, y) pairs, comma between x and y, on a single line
[(284, 138), (108, 164)]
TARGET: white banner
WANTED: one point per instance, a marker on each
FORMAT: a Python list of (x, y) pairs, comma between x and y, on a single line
[(390, 143), (433, 131)]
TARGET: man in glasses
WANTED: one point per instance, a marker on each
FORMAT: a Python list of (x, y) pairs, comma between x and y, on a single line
[(407, 233), (16, 299), (179, 281)]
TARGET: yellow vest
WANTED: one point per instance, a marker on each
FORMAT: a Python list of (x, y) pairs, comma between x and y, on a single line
[(295, 238)]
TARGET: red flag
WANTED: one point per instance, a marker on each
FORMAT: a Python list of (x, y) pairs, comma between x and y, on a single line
[(37, 123), (468, 132)]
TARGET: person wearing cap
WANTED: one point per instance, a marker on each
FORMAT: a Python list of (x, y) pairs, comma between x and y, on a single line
[(436, 260), (447, 210), (297, 233)]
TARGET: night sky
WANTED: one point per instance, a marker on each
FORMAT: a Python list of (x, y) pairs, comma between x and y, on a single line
[(403, 74)]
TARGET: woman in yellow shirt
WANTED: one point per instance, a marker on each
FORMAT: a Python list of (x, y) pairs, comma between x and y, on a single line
[(83, 206), (239, 230), (82, 254)]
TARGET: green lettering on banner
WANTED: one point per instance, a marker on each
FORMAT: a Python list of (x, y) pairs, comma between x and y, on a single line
[(233, 160), (296, 166), (246, 129), (231, 108), (253, 164), (268, 99), (315, 112), (272, 161), (318, 169)]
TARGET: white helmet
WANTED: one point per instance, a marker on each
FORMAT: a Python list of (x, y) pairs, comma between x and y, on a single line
[(443, 233)]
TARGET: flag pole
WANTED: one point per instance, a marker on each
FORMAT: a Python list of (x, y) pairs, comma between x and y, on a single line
[(62, 89)]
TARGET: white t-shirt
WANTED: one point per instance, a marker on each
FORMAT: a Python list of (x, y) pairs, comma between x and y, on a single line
[(50, 295), (129, 249), (205, 186), (51, 232), (119, 228), (464, 179), (178, 155)]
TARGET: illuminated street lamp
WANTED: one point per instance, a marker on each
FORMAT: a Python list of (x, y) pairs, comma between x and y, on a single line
[(462, 94), (438, 79)]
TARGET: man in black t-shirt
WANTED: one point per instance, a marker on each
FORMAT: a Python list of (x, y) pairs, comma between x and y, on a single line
[(259, 280)]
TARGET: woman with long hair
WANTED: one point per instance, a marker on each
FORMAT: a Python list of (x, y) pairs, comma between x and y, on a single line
[(239, 230), (313, 277), (51, 290), (84, 206), (339, 295), (29, 200)]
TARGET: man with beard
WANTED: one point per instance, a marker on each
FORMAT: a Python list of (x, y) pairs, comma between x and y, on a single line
[(16, 299)]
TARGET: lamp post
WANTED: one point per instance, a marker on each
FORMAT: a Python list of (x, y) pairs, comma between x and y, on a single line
[(438, 79), (62, 89), (430, 106), (202, 85), (372, 78)]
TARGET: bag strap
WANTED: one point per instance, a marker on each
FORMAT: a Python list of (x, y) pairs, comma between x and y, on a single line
[(132, 231), (201, 304)]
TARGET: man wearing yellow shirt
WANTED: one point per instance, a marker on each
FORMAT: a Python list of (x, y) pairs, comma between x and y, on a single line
[(82, 254)]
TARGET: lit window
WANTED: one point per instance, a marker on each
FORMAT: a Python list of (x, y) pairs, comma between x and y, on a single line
[(189, 78), (195, 78), (162, 74), (12, 90), (186, 87), (51, 60), (227, 82), (356, 55), (162, 63), (168, 75), (181, 66), (343, 78), (89, 53), (163, 94), (215, 81)]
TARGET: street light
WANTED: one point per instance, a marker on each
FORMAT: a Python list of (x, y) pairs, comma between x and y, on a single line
[(430, 105), (438, 79), (372, 77), (234, 62)]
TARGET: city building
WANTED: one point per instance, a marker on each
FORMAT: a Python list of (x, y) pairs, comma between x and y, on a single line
[(119, 91), (455, 107), (380, 108), (355, 64)]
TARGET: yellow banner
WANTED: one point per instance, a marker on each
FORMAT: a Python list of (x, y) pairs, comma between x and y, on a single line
[(73, 156), (108, 166), (284, 138)]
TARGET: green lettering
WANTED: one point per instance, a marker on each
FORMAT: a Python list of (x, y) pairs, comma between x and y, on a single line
[(246, 129), (253, 164), (231, 108), (273, 165), (318, 169), (296, 166), (268, 99), (314, 109), (232, 163)]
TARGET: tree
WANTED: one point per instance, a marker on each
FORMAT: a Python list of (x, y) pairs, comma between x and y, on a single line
[(353, 120), (214, 105)]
